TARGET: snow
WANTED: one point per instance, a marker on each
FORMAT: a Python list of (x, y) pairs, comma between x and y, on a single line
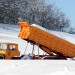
[(29, 67)]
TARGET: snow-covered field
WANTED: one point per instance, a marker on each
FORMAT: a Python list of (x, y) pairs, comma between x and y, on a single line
[(43, 67), (9, 33)]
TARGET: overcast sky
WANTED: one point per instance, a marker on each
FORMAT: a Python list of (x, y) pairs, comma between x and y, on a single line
[(68, 7)]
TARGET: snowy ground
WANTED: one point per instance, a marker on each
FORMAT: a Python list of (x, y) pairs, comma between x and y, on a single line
[(29, 67), (33, 67)]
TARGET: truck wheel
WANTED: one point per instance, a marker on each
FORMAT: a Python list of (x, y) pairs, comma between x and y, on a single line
[(2, 56)]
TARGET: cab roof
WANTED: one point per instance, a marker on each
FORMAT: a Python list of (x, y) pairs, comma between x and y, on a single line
[(8, 43)]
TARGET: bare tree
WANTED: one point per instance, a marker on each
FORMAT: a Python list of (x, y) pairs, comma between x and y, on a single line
[(34, 11)]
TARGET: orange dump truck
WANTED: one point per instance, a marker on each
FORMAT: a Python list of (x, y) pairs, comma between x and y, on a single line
[(46, 41)]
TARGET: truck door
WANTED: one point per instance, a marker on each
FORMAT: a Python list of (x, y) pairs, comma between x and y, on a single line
[(11, 50)]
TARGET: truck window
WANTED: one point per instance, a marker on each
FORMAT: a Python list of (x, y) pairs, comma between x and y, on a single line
[(12, 47), (3, 46)]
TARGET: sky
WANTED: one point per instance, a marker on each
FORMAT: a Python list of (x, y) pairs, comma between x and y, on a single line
[(68, 7)]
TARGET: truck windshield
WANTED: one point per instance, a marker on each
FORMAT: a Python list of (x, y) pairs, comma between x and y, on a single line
[(3, 46)]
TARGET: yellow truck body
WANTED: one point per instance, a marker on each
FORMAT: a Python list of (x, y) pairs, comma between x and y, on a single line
[(8, 50), (48, 42)]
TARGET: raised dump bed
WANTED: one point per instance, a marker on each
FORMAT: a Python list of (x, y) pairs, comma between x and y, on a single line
[(48, 42)]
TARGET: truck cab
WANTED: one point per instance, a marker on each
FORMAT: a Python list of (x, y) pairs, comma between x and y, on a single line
[(8, 50)]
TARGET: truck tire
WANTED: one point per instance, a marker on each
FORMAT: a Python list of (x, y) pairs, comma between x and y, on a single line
[(2, 56)]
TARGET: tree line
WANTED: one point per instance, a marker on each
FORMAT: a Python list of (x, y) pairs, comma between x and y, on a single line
[(33, 11)]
